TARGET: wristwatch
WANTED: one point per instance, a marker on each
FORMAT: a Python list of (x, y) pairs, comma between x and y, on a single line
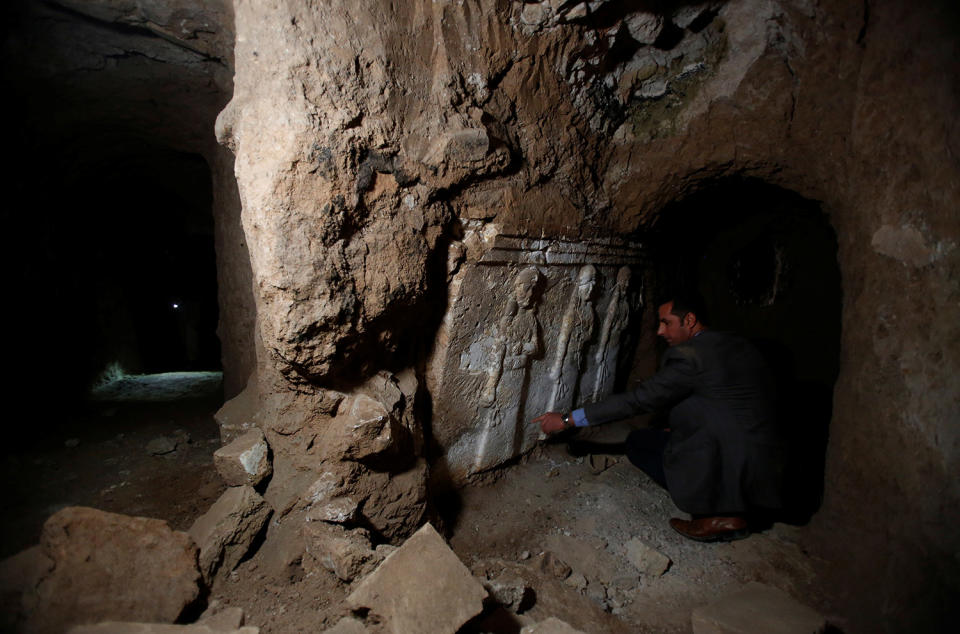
[(567, 421)]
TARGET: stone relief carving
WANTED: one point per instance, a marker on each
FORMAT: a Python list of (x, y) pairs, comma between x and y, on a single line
[(576, 329), (516, 339), (501, 358), (614, 323)]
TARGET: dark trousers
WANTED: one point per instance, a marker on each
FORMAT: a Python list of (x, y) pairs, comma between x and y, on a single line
[(644, 448)]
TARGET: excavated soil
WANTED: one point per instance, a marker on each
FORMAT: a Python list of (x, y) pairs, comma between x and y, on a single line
[(551, 506)]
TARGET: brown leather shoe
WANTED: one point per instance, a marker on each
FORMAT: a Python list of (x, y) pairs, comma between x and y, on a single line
[(712, 529)]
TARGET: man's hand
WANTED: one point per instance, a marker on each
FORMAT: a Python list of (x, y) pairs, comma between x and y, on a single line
[(551, 422)]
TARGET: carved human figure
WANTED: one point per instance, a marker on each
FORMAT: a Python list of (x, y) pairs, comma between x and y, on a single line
[(576, 328), (614, 323), (515, 341)]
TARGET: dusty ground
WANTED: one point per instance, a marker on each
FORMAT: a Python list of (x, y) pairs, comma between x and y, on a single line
[(552, 505), (100, 459)]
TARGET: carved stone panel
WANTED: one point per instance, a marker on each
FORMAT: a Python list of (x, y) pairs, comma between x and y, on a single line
[(532, 325)]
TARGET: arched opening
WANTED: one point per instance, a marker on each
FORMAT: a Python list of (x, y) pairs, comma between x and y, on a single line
[(127, 275), (765, 261)]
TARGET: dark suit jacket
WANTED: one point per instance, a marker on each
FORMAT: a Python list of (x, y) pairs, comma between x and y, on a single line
[(724, 453)]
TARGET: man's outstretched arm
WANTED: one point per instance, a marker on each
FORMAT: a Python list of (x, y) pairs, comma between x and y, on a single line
[(675, 380)]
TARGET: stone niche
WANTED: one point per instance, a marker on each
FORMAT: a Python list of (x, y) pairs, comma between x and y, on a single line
[(532, 325)]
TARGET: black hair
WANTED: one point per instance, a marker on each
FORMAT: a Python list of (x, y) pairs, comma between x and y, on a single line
[(687, 301)]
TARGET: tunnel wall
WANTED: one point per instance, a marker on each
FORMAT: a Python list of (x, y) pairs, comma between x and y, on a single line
[(367, 134), (115, 105)]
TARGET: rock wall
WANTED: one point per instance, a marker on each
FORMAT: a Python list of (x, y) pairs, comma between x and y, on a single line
[(373, 139)]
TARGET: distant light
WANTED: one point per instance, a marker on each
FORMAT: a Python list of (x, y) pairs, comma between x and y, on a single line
[(176, 305)]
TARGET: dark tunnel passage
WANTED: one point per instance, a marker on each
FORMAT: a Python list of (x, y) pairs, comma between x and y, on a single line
[(116, 266), (765, 261)]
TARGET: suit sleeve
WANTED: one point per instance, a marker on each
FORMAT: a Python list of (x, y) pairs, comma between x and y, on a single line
[(673, 382)]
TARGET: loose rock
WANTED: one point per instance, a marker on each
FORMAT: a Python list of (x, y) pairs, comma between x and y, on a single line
[(509, 590), (110, 566), (647, 560), (225, 532), (336, 549), (245, 461), (422, 587)]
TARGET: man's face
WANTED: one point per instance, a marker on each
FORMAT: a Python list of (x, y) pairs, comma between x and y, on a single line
[(673, 329)]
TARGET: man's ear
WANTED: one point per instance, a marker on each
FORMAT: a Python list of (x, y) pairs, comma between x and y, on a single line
[(689, 320)]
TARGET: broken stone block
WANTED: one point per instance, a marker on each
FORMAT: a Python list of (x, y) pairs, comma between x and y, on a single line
[(422, 587), (116, 627), (509, 590), (246, 460), (363, 430), (226, 531), (647, 560), (757, 608), (552, 625), (336, 549), (110, 566)]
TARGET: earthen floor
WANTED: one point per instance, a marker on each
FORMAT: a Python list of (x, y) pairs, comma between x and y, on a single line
[(551, 505)]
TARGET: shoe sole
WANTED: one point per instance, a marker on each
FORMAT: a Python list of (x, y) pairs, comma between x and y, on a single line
[(728, 536)]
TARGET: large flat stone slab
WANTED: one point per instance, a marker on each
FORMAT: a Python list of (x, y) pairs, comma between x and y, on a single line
[(757, 608), (422, 587)]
